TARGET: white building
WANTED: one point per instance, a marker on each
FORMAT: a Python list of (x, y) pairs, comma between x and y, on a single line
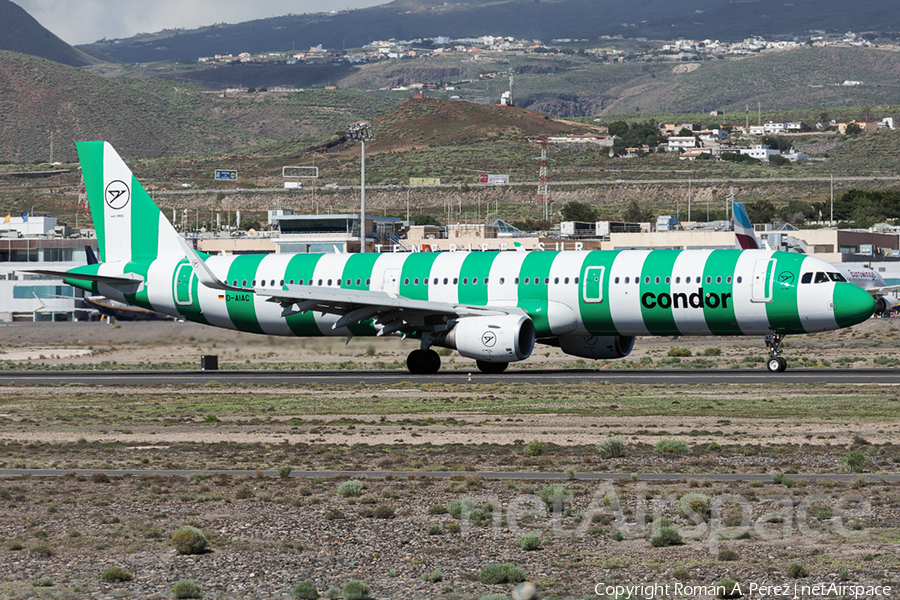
[(28, 225), (760, 152), (680, 144)]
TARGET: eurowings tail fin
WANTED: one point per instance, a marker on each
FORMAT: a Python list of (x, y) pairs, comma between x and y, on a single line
[(129, 225), (744, 236)]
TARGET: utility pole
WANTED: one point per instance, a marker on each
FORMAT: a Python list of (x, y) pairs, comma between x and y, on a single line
[(831, 218)]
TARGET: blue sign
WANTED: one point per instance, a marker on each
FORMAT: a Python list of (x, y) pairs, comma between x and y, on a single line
[(226, 175)]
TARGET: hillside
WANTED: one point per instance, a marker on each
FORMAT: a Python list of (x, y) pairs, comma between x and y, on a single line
[(148, 117), (20, 32), (529, 19)]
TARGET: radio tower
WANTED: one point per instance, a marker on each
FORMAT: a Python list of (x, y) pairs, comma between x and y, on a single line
[(543, 191), (82, 207)]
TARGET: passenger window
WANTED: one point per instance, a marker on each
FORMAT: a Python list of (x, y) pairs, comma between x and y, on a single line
[(668, 279), (291, 282), (502, 280), (566, 280), (678, 280), (282, 282), (368, 281), (405, 281), (445, 280), (616, 281), (806, 278), (821, 278), (474, 281), (486, 279), (719, 279), (517, 281), (358, 281), (455, 280), (416, 281), (740, 279), (253, 283), (627, 279), (656, 280), (646, 280), (527, 280), (556, 280), (576, 281), (465, 281), (687, 279), (243, 283), (728, 279), (708, 279)]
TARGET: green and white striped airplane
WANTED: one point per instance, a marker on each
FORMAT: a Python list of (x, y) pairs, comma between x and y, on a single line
[(490, 306)]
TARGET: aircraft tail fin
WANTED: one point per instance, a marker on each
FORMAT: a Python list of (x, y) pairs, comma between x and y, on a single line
[(129, 225), (744, 236)]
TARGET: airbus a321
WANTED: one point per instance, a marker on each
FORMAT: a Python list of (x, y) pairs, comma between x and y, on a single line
[(493, 307)]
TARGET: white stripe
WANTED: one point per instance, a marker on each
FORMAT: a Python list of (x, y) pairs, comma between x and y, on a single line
[(815, 301), (625, 299), (751, 316), (117, 222), (689, 264), (214, 310), (330, 267), (506, 267), (447, 265), (271, 268), (562, 309)]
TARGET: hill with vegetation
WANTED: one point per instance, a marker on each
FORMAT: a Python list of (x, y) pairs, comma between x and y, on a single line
[(527, 19), (20, 32), (147, 117)]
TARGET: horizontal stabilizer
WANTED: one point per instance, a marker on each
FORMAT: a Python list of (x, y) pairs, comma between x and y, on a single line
[(108, 279)]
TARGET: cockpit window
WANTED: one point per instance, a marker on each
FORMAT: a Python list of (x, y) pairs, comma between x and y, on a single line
[(806, 278), (837, 277), (821, 277)]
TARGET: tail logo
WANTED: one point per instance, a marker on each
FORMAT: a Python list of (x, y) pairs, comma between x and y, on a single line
[(117, 194)]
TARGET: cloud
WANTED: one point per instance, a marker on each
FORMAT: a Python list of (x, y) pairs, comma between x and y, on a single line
[(87, 21)]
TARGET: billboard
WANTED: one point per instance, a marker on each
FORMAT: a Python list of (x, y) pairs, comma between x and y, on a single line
[(226, 175), (486, 178), (424, 181)]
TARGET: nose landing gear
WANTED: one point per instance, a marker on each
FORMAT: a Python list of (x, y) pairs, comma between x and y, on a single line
[(776, 363)]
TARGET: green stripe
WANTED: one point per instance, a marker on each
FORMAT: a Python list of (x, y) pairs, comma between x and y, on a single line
[(659, 320), (416, 266), (240, 304), (596, 316), (720, 294), (145, 219), (476, 267), (782, 311), (533, 298), (90, 154), (359, 266), (302, 266)]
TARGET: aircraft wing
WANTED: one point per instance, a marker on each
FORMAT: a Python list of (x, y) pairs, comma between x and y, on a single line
[(391, 312), (883, 291)]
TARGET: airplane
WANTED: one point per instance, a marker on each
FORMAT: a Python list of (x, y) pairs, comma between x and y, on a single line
[(489, 306), (864, 277)]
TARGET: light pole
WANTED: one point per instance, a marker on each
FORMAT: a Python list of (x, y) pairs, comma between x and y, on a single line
[(361, 131)]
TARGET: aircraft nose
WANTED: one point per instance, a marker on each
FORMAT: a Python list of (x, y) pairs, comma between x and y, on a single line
[(852, 304)]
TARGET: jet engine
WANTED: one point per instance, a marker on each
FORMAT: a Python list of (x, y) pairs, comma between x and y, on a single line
[(597, 347), (885, 304), (499, 339)]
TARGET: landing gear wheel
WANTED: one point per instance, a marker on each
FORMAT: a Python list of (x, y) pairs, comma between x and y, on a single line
[(423, 362), (491, 368), (776, 364)]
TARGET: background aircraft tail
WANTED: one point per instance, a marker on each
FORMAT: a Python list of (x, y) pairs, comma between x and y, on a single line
[(744, 236), (129, 225)]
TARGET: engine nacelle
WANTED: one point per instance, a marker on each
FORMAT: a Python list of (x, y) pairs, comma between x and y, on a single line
[(885, 304), (500, 339), (597, 347)]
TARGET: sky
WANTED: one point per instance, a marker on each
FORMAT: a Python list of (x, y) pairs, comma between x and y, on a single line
[(86, 21)]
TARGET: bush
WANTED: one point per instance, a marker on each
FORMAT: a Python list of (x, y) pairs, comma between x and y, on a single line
[(456, 507), (350, 489), (530, 541), (853, 462), (437, 509), (355, 590), (535, 448), (665, 536), (432, 576), (186, 589), (556, 495), (712, 352), (797, 571), (333, 514), (243, 492), (305, 590), (681, 573), (115, 575), (495, 573), (435, 529), (728, 588), (189, 540), (333, 593), (284, 471), (618, 536), (383, 511), (454, 527), (611, 448), (672, 447), (41, 551), (44, 581), (728, 555), (693, 502), (680, 352), (713, 447)]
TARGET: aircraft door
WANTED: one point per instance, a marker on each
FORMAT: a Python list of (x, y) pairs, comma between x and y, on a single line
[(391, 283), (763, 277), (592, 291), (183, 284)]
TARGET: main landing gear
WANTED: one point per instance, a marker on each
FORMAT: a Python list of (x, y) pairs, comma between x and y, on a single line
[(776, 363), (423, 362)]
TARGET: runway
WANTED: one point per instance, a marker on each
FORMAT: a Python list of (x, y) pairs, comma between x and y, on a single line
[(541, 377)]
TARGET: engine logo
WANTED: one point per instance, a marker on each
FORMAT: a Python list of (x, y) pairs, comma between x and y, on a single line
[(488, 338)]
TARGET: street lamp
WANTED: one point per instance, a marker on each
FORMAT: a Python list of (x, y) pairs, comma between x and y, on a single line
[(361, 131)]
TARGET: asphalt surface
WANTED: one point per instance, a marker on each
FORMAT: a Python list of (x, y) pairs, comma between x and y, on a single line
[(631, 376), (504, 475)]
